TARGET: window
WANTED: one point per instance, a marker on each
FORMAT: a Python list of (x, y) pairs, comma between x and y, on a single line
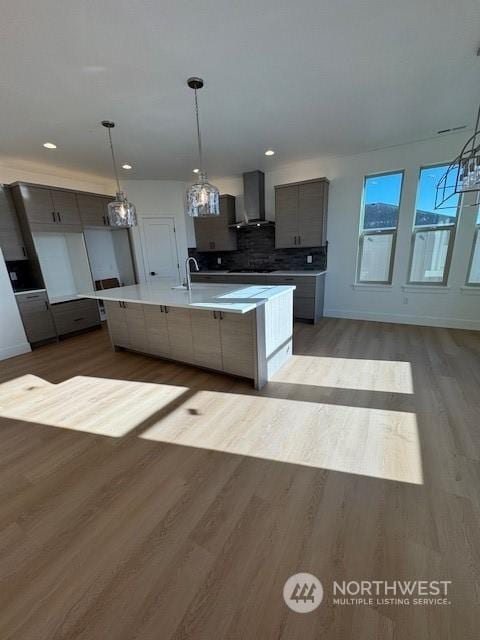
[(474, 270), (378, 227), (433, 231)]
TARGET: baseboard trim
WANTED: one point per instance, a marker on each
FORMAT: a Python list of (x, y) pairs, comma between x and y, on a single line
[(424, 321), (15, 350)]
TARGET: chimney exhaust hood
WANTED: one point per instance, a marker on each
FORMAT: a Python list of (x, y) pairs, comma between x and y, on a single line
[(254, 201)]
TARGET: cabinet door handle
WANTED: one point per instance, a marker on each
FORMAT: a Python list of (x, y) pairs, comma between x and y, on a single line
[(59, 217), (294, 239), (299, 240), (53, 216), (46, 305), (215, 315), (166, 309), (24, 252), (78, 319)]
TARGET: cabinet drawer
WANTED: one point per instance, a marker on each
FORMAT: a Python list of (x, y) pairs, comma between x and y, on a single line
[(75, 315), (37, 320), (31, 295)]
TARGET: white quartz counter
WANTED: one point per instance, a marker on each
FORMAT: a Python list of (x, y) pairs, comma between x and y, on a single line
[(215, 272), (235, 298)]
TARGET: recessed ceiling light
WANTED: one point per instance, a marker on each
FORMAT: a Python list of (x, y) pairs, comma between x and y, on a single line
[(126, 166), (49, 145), (269, 152), (196, 171)]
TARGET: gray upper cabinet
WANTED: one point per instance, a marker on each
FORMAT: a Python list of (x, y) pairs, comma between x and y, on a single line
[(213, 233), (11, 240), (66, 208), (301, 214), (93, 209), (47, 208)]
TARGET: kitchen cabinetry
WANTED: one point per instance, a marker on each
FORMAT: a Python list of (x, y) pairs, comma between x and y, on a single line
[(213, 233), (47, 209), (93, 209), (211, 339), (308, 295), (301, 214), (36, 316), (11, 240), (75, 315)]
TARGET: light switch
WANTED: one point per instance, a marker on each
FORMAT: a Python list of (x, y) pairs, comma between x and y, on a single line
[(309, 259), (219, 261)]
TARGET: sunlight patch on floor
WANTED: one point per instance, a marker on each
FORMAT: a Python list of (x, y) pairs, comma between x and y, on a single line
[(393, 376), (369, 442), (93, 405)]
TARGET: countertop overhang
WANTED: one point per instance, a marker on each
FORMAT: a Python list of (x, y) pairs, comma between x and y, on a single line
[(266, 274), (235, 298)]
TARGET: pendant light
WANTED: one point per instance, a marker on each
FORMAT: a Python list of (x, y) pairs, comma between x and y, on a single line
[(203, 199), (463, 173), (121, 212)]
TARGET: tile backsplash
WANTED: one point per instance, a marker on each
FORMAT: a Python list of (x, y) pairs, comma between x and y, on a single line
[(256, 250)]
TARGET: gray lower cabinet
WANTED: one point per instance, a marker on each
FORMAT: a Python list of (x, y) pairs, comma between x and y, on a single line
[(308, 296), (301, 214), (213, 233), (36, 316), (220, 341), (11, 240), (75, 315)]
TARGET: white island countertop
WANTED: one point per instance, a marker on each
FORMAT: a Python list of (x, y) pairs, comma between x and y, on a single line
[(235, 298)]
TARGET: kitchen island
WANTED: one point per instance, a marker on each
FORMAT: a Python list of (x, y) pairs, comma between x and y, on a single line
[(243, 330)]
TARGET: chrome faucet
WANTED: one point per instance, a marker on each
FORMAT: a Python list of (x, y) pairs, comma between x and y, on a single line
[(188, 282)]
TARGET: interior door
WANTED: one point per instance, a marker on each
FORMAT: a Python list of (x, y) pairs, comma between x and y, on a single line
[(160, 250)]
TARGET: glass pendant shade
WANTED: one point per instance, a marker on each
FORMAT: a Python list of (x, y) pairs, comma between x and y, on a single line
[(203, 199), (121, 212)]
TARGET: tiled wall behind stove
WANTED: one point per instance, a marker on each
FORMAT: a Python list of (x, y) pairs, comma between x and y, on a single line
[(256, 250)]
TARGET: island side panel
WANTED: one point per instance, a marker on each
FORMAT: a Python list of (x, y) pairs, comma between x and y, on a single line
[(274, 322)]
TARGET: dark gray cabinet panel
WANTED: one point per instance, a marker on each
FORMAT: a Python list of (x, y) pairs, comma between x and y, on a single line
[(286, 217), (213, 233), (47, 209), (75, 315), (93, 210), (38, 205), (301, 214), (66, 208), (11, 239), (36, 316)]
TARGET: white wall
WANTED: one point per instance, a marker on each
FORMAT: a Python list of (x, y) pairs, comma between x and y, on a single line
[(13, 340), (452, 306), (12, 170), (157, 198)]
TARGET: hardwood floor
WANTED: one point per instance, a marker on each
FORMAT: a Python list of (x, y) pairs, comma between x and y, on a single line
[(146, 500)]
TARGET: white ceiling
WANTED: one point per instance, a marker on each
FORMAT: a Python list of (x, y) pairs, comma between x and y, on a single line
[(305, 77)]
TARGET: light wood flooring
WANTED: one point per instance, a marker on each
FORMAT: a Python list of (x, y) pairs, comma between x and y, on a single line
[(147, 500)]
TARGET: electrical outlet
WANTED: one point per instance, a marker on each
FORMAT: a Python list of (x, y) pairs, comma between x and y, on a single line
[(309, 260), (13, 276), (219, 261)]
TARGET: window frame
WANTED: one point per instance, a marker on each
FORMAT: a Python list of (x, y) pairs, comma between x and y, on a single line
[(362, 233), (476, 237), (452, 228)]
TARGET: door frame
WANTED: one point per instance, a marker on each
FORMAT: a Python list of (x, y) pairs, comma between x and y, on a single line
[(143, 221)]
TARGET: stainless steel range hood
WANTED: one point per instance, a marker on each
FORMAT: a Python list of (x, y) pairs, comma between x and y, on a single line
[(253, 200)]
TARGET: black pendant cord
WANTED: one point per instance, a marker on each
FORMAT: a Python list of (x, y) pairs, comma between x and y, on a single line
[(113, 160), (200, 153)]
